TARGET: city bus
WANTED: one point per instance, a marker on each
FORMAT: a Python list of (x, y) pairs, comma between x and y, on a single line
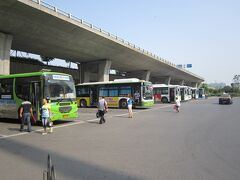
[(166, 93), (185, 93), (189, 93), (195, 93), (201, 93), (116, 93), (58, 88)]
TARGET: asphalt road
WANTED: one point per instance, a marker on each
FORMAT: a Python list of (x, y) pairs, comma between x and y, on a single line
[(199, 143)]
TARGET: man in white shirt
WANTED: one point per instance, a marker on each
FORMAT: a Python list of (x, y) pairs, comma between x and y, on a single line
[(178, 104), (102, 109)]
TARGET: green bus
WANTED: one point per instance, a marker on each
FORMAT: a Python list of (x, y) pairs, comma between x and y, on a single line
[(57, 87), (116, 93)]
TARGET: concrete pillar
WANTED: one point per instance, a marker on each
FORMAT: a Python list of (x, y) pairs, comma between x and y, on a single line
[(94, 71), (181, 82), (167, 80), (146, 75), (84, 72), (5, 47), (103, 70)]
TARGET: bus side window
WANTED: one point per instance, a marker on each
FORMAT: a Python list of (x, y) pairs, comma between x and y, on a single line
[(6, 88), (22, 90), (2, 89), (124, 91), (82, 91), (103, 92), (23, 86)]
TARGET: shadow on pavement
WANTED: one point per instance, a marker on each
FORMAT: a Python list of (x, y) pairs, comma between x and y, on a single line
[(64, 166), (12, 121)]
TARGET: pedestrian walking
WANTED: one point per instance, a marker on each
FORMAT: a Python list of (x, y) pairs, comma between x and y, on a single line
[(102, 109), (45, 112), (25, 114), (177, 105), (130, 104)]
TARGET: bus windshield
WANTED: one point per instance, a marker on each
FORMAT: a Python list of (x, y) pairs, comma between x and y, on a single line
[(59, 88), (147, 91)]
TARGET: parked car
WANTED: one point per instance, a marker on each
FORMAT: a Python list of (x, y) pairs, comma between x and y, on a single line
[(225, 99)]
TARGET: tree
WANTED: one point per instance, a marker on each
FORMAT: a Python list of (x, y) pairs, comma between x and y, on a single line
[(205, 87), (227, 89), (236, 79), (46, 59)]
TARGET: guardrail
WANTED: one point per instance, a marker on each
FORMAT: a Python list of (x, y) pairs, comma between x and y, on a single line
[(105, 33)]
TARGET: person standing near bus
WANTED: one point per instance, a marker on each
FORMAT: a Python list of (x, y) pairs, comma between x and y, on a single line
[(130, 104), (102, 109), (45, 116), (26, 113)]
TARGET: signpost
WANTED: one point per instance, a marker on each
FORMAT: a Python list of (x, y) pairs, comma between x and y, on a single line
[(184, 65)]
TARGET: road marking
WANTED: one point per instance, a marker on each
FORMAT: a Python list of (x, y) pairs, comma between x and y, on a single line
[(145, 110), (80, 122), (2, 135)]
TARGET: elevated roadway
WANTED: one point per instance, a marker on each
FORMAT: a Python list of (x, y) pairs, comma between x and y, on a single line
[(37, 27)]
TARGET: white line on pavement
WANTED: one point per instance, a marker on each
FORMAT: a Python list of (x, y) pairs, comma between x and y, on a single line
[(80, 122)]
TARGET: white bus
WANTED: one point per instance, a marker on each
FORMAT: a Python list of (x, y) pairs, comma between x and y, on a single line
[(166, 93), (189, 93), (201, 93), (195, 93), (184, 93)]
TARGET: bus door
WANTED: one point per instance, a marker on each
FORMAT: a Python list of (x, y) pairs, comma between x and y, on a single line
[(193, 93), (35, 98), (182, 94), (93, 96), (172, 95), (137, 95)]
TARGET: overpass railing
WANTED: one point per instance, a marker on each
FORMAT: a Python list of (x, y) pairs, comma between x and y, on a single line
[(112, 36)]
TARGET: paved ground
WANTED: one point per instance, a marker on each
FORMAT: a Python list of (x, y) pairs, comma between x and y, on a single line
[(199, 143)]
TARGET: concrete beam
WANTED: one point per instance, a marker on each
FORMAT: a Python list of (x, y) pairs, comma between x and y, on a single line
[(194, 84), (142, 74), (179, 82), (5, 47), (161, 80)]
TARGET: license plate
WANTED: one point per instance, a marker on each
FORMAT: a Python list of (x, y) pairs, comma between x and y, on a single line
[(65, 116)]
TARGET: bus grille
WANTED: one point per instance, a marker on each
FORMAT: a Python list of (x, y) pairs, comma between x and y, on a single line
[(64, 104), (65, 109)]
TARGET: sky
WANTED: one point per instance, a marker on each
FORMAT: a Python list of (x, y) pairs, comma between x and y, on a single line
[(203, 33)]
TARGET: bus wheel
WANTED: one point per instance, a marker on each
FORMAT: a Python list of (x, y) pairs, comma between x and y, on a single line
[(123, 104), (83, 103), (164, 100)]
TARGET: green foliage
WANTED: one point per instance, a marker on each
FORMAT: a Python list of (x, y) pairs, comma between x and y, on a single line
[(236, 78), (232, 90), (205, 87)]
